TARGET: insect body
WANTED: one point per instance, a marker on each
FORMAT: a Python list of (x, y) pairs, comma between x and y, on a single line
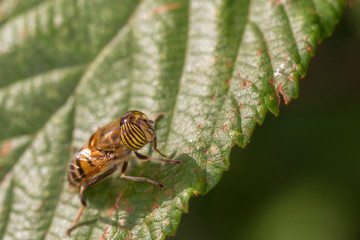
[(87, 163), (109, 148)]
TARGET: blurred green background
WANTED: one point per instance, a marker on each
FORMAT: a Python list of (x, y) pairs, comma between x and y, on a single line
[(299, 178)]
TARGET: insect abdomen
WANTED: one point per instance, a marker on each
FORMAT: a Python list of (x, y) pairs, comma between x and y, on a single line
[(81, 166)]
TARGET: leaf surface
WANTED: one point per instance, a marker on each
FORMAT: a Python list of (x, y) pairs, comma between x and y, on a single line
[(213, 68)]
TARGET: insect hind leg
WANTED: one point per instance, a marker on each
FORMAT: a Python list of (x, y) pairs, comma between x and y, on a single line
[(83, 198)]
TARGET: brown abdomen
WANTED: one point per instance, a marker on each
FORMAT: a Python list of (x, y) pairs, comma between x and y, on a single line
[(86, 163)]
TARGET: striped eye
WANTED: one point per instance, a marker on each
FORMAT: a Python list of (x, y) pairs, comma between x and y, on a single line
[(132, 136), (122, 121)]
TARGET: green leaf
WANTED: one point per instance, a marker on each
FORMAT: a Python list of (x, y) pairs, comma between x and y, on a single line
[(214, 68)]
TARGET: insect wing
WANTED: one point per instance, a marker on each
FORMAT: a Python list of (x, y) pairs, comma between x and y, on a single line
[(86, 163)]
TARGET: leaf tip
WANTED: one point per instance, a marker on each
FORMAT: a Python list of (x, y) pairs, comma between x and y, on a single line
[(280, 91)]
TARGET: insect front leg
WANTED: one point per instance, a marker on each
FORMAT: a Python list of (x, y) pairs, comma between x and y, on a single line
[(140, 179), (83, 198), (157, 116), (142, 157), (154, 147)]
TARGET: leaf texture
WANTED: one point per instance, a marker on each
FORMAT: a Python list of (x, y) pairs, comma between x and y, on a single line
[(213, 68)]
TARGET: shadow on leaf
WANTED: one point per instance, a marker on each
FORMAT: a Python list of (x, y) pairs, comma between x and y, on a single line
[(126, 204)]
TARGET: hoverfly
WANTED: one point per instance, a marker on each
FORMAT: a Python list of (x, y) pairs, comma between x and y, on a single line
[(108, 149)]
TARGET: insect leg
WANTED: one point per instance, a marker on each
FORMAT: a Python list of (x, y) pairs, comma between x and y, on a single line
[(140, 179), (154, 147), (157, 116), (83, 198), (146, 158)]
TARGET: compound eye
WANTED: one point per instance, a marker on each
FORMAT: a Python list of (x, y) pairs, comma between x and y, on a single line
[(150, 122), (122, 121), (132, 136)]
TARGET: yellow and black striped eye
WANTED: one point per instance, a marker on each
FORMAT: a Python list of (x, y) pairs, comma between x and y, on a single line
[(132, 136)]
